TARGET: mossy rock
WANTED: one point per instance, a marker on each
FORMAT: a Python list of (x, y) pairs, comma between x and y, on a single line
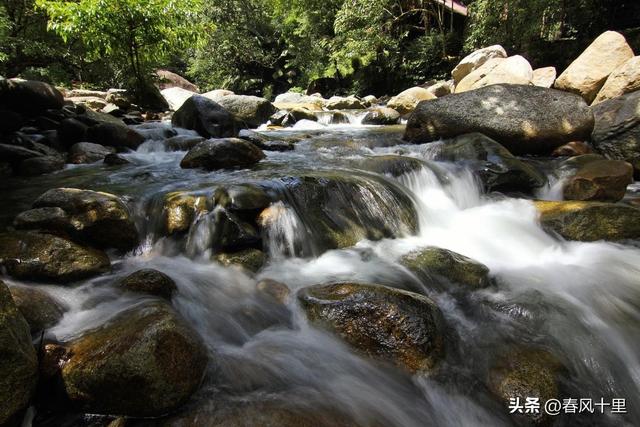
[(442, 267), (383, 322), (249, 259), (149, 281), (589, 221), (180, 209)]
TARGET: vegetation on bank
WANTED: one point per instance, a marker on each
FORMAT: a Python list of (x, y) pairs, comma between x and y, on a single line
[(269, 46)]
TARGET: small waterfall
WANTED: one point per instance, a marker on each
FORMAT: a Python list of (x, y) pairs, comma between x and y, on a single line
[(283, 231)]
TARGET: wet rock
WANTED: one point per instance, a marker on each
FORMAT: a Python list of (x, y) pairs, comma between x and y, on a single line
[(344, 103), (339, 118), (525, 119), (101, 219), (145, 361), (512, 70), (442, 267), (44, 257), (114, 135), (19, 367), (15, 154), (291, 100), (249, 259), (390, 164), (544, 77), (5, 169), (72, 131), (241, 197), (225, 153), (115, 159), (624, 80), (616, 134), (526, 373), (183, 142), (283, 118), (29, 97), (603, 180), (40, 165), (232, 233), (88, 152), (10, 121), (300, 113), (381, 116), (180, 209), (266, 142), (475, 60), (392, 324), (40, 310), (249, 111), (573, 148), (53, 220), (588, 73), (406, 101), (119, 98), (589, 221), (205, 116), (498, 169), (149, 281), (274, 290)]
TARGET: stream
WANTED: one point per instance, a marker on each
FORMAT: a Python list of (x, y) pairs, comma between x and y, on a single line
[(581, 301)]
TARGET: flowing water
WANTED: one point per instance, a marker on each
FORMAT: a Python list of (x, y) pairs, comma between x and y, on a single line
[(579, 300)]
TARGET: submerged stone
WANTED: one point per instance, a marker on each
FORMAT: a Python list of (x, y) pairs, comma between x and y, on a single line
[(149, 281), (249, 259)]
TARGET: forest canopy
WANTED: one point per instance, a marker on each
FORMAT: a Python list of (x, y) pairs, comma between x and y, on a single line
[(269, 46)]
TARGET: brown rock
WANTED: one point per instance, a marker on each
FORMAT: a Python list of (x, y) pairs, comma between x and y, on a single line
[(573, 148), (624, 80), (602, 180)]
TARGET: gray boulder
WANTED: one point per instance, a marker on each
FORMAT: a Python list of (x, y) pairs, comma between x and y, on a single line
[(205, 116), (247, 111), (222, 153), (88, 152), (29, 97)]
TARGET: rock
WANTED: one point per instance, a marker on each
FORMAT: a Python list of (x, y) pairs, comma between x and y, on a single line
[(512, 70), (443, 267), (523, 374), (149, 281), (301, 113), (118, 98), (232, 234), (5, 169), (148, 97), (525, 119), (497, 168), (10, 121), (180, 209), (589, 221), (249, 111), (40, 165), (338, 118), (291, 100), (370, 100), (85, 92), (603, 180), (101, 219), (223, 153), (45, 257), (621, 81), (14, 154), (544, 77), (216, 94), (616, 134), (19, 367), (249, 259), (342, 103), (52, 220), (392, 324), (88, 152), (476, 59), (241, 198), (176, 96), (588, 73), (381, 116), (72, 131), (406, 101), (144, 362), (168, 79), (92, 102), (29, 97), (115, 159), (205, 116), (390, 164), (573, 148), (442, 88), (274, 290), (266, 142), (40, 310), (114, 135), (183, 142)]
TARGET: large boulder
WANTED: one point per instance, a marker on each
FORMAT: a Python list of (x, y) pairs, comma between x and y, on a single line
[(45, 257), (248, 111), (149, 281), (623, 80), (544, 77), (589, 221), (475, 60), (19, 367), (98, 218), (205, 116), (442, 88), (381, 116), (406, 101), (588, 73), (115, 135), (29, 97), (525, 119), (442, 267), (225, 153), (88, 152), (41, 165), (176, 96), (616, 134), (400, 326), (144, 362), (179, 210), (345, 103), (291, 100), (512, 70), (40, 310), (168, 79), (497, 168), (600, 180)]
